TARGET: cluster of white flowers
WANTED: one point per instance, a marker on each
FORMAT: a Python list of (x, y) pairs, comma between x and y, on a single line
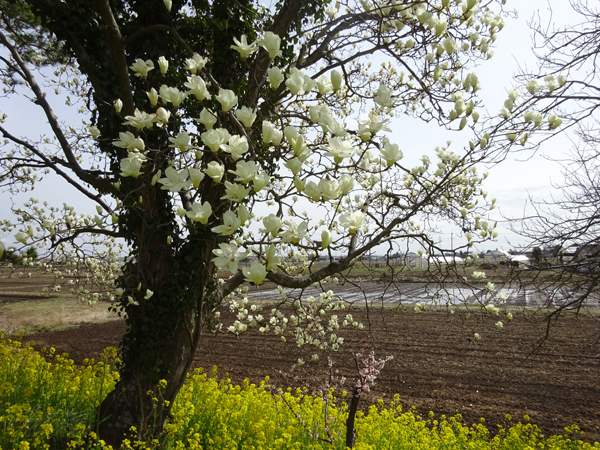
[(312, 321)]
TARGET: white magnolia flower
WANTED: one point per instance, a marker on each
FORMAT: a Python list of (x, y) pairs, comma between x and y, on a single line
[(490, 286), (294, 164), (478, 275), (339, 149), (246, 115), (197, 87), (551, 83), (272, 224), (130, 166), (502, 296), (149, 294), (243, 48), (329, 189), (182, 142), (207, 118), (533, 116), (391, 153), (329, 124), (312, 190), (237, 146), (162, 116), (324, 85), (260, 181), (419, 307), (195, 63), (270, 133), (346, 184), (235, 192), (374, 123), (336, 80), (175, 181), (554, 121), (141, 67), (243, 214), (215, 171), (94, 131), (276, 77), (171, 94), (256, 273), (449, 45), (272, 258), (440, 27), (499, 325), (163, 64), (511, 135), (353, 221), (316, 111), (326, 238), (214, 138), (50, 224), (384, 96), (271, 43), (492, 309), (293, 232), (21, 237), (230, 225), (129, 141), (227, 99), (245, 171), (532, 86), (140, 120), (332, 10), (509, 316), (200, 212), (291, 133), (227, 255), (309, 83), (118, 104), (295, 81)]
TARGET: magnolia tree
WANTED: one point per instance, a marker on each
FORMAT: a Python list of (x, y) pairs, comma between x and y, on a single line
[(561, 94), (216, 131)]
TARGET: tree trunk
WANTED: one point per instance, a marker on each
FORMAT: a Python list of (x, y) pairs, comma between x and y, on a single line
[(350, 432), (141, 399)]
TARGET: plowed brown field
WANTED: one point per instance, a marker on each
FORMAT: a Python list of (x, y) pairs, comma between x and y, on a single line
[(437, 366)]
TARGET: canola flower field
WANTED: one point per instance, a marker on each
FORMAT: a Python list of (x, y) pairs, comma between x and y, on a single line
[(47, 402)]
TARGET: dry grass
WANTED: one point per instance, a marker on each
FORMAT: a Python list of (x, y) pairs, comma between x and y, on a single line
[(51, 313), (24, 308)]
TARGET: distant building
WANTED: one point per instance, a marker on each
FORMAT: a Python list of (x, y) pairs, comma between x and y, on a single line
[(496, 256), (415, 261), (587, 258), (519, 260), (446, 259)]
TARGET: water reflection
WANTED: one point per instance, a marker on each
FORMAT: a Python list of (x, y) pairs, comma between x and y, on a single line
[(410, 293)]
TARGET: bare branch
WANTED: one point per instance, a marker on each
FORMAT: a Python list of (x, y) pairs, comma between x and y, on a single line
[(85, 176)]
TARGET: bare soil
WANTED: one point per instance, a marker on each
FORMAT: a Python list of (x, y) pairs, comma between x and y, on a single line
[(437, 364)]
